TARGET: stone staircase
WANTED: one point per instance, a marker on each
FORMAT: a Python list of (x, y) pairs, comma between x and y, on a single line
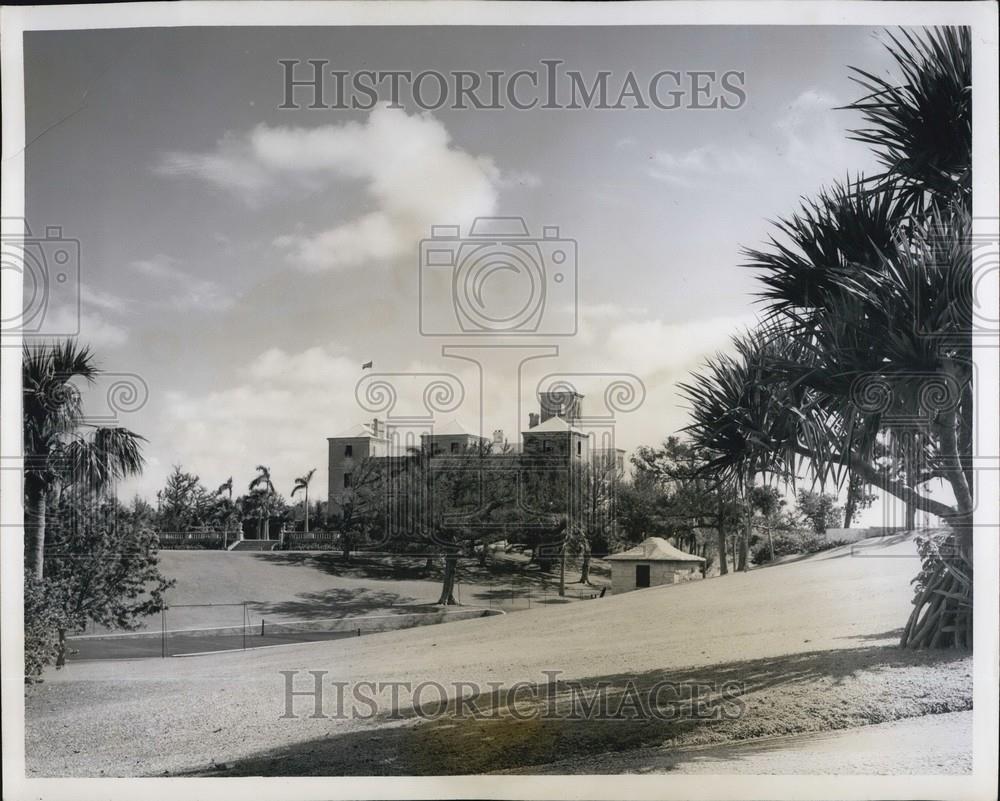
[(254, 545)]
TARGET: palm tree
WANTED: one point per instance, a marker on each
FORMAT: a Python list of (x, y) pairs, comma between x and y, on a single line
[(302, 483), (868, 293), (921, 128), (740, 419), (264, 488), (60, 447), (227, 487)]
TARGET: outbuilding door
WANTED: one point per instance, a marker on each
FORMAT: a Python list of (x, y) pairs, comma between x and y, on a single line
[(641, 576)]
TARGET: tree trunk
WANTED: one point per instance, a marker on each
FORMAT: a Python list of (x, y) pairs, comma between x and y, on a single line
[(770, 543), (942, 613), (745, 539), (429, 564), (562, 570), (61, 653), (585, 567), (852, 499), (34, 530), (723, 567), (307, 510), (448, 584)]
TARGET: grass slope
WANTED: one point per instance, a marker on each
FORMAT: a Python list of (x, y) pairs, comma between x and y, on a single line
[(302, 585), (812, 642)]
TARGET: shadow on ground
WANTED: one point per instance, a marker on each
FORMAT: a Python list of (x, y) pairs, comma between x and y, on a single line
[(544, 722), (340, 603)]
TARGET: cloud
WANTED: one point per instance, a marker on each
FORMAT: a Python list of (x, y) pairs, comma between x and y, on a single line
[(187, 291), (519, 178), (808, 137), (94, 329), (279, 411), (708, 160), (283, 404), (105, 301), (406, 164), (813, 138), (230, 167)]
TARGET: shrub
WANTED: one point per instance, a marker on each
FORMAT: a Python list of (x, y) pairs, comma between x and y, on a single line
[(792, 542), (42, 621), (193, 544)]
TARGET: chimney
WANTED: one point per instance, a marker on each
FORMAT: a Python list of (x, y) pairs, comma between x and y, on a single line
[(498, 438), (376, 427), (532, 419)]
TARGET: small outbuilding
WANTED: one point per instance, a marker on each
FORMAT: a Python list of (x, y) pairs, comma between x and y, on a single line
[(652, 563)]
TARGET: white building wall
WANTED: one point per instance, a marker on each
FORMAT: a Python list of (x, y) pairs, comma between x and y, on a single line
[(660, 573)]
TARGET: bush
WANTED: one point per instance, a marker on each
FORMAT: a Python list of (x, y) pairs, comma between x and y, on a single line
[(787, 543), (193, 544), (42, 621), (308, 544)]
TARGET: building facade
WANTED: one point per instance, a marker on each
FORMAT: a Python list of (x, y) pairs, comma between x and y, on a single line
[(653, 563), (552, 434)]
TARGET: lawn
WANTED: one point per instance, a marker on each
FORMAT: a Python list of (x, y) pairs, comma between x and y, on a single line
[(810, 643)]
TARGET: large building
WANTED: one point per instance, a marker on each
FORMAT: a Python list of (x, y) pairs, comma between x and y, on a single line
[(554, 433)]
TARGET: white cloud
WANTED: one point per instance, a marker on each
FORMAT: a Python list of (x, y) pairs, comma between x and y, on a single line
[(520, 178), (94, 329), (809, 137), (229, 167), (186, 291), (102, 300), (406, 164), (708, 160), (813, 138)]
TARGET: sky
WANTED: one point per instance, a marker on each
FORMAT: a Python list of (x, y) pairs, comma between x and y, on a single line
[(246, 260)]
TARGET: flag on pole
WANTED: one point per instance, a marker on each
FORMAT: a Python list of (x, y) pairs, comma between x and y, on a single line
[(367, 365)]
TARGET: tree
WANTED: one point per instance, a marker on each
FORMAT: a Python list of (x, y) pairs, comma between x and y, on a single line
[(865, 361), (185, 504), (262, 491), (302, 483), (101, 565), (60, 447), (596, 484), (230, 513), (819, 509), (740, 420), (857, 498), (689, 497), (358, 507)]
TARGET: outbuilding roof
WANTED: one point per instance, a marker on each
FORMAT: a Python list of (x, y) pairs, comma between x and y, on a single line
[(655, 549)]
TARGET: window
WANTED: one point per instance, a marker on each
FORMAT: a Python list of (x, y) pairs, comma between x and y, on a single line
[(347, 480), (454, 447), (348, 450), (547, 445), (579, 448), (641, 576)]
